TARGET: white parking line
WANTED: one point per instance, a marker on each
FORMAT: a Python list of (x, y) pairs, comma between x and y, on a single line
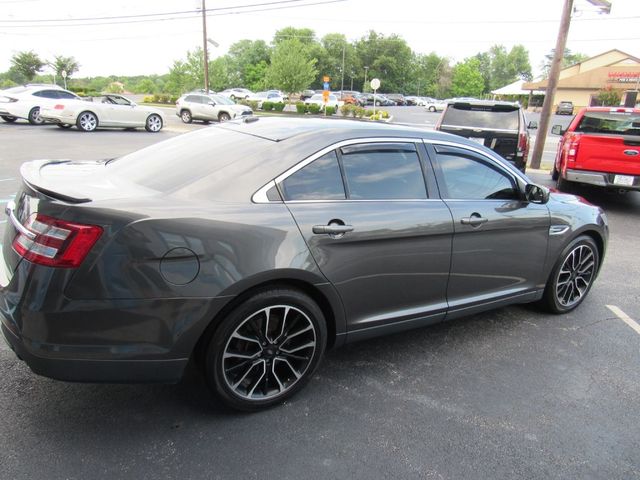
[(6, 179), (625, 318)]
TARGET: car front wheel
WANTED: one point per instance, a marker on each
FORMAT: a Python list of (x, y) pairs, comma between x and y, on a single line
[(185, 116), (432, 109), (154, 123), (34, 116), (572, 276), (224, 117), (266, 349), (8, 118)]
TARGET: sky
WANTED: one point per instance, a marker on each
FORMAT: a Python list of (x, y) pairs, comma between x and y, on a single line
[(453, 28)]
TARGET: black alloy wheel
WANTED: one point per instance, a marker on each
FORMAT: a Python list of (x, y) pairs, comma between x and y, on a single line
[(572, 276), (266, 349)]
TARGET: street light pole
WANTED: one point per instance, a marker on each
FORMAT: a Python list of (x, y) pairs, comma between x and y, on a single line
[(364, 87), (342, 82), (204, 47)]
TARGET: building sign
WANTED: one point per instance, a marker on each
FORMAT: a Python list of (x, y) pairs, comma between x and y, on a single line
[(624, 77)]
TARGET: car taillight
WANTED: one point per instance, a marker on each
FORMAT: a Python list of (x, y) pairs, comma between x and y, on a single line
[(523, 145), (572, 150), (59, 107), (56, 243)]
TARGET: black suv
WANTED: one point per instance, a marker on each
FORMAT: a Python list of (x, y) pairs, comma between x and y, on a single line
[(500, 126)]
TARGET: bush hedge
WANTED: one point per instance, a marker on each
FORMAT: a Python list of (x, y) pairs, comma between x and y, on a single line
[(279, 106)]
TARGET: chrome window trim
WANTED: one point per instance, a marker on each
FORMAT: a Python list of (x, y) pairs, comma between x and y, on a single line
[(261, 195)]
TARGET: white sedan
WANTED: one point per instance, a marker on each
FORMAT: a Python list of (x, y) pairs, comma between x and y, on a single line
[(265, 97), (318, 99), (108, 110), (25, 102), (434, 105)]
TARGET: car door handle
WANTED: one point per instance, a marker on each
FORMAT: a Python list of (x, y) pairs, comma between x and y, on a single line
[(474, 220), (334, 229)]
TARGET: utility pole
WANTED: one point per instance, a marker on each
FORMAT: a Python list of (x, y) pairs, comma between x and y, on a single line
[(342, 82), (552, 84), (364, 87), (204, 47)]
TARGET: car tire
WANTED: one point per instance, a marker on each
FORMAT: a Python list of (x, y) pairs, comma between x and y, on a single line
[(555, 174), (8, 118), (63, 125), (572, 276), (432, 109), (224, 117), (246, 363), (154, 123), (87, 122), (563, 184), (34, 116), (185, 116)]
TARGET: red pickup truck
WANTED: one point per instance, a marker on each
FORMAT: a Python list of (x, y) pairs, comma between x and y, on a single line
[(600, 147)]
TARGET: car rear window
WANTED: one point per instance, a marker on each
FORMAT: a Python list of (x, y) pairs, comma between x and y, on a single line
[(619, 123), (494, 117)]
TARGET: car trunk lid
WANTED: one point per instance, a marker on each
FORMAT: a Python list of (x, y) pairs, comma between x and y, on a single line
[(609, 153)]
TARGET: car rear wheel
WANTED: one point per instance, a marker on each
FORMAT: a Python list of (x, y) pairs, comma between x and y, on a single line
[(432, 109), (266, 349), (63, 125), (563, 184), (185, 116), (87, 122), (224, 117), (154, 123), (555, 174), (34, 116), (572, 276), (8, 118)]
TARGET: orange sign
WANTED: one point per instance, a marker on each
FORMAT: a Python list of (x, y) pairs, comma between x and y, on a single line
[(325, 96)]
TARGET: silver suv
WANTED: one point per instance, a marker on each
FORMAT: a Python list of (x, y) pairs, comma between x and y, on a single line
[(198, 106)]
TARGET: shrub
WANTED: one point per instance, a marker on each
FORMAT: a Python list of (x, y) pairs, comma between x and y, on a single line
[(384, 113), (253, 104), (358, 112), (301, 107), (346, 109), (313, 108), (368, 113), (148, 99), (267, 106), (278, 107), (330, 110)]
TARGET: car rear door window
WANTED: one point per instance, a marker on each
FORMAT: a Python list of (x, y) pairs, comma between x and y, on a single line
[(47, 94), (467, 177), (320, 180), (66, 95), (383, 171)]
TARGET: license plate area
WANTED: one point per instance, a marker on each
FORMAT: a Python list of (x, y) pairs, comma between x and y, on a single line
[(623, 180)]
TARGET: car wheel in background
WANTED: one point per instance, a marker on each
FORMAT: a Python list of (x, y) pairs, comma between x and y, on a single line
[(8, 118), (564, 185), (154, 123), (572, 276), (63, 125), (87, 122), (34, 116), (224, 117), (432, 109), (185, 116), (555, 174), (266, 349)]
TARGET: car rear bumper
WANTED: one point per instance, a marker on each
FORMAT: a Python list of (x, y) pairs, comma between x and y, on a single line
[(601, 179)]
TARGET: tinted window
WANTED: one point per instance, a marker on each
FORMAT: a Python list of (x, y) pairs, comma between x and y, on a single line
[(320, 180), (383, 174), (67, 95), (47, 94), (481, 116), (193, 98), (466, 178), (621, 123)]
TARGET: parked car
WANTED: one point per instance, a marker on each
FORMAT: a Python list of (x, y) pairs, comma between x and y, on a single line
[(381, 100), (279, 93), (25, 102), (238, 247), (348, 97), (600, 147), (307, 94), (261, 97), (318, 99), (104, 111), (435, 105), (564, 108), (209, 108), (414, 101), (500, 126), (236, 93), (398, 98)]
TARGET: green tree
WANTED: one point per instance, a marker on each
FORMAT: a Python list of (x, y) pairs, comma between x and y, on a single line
[(178, 80), (306, 36), (330, 60), (223, 74), (608, 97), (27, 64), (569, 58), (499, 67), (66, 64), (466, 80), (255, 76), (291, 68), (428, 74), (146, 85), (245, 56), (388, 58)]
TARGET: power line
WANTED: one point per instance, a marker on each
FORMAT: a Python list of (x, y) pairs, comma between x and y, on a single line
[(284, 7)]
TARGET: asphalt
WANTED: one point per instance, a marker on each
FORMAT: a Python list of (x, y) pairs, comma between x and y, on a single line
[(512, 393)]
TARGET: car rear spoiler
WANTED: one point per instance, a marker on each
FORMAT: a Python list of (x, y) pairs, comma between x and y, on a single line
[(32, 175), (483, 107)]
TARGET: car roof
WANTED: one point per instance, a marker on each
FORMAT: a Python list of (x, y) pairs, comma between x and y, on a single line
[(612, 109)]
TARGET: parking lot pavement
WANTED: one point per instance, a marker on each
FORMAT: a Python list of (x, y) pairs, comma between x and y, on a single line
[(513, 393)]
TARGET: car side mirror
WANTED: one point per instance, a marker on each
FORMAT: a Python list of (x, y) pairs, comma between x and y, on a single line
[(532, 125), (536, 193), (557, 130)]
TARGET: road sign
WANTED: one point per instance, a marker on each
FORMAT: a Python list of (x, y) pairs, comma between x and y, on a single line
[(375, 84), (325, 96)]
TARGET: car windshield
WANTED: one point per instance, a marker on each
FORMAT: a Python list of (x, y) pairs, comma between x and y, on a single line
[(220, 100), (621, 123), (494, 117)]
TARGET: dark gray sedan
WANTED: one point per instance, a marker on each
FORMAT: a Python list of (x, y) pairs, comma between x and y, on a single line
[(253, 246)]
